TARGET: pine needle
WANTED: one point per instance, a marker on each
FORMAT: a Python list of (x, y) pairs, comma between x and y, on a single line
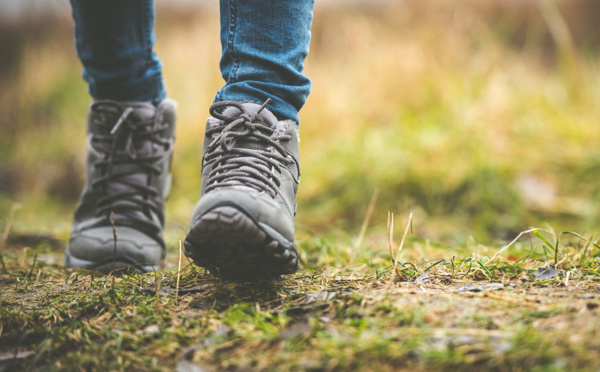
[(7, 228), (395, 266), (363, 229), (178, 274), (114, 230), (390, 229)]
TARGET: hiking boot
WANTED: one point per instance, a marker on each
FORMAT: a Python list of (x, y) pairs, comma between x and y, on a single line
[(243, 225), (129, 151)]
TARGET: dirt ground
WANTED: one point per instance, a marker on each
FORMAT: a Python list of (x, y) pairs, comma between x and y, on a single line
[(441, 315)]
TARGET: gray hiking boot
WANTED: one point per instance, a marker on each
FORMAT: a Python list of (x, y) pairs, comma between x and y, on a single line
[(243, 225), (129, 151)]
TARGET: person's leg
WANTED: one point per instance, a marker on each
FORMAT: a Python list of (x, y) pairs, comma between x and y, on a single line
[(264, 45), (114, 41), (243, 225), (130, 134)]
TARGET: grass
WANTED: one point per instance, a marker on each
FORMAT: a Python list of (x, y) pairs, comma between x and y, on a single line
[(460, 312), (476, 120)]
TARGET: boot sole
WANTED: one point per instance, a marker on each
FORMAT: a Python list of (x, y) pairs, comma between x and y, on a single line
[(230, 244), (117, 265)]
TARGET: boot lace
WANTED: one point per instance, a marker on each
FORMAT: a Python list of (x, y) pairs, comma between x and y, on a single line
[(253, 164), (120, 143)]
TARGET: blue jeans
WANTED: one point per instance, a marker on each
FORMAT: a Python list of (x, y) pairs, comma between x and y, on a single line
[(264, 44)]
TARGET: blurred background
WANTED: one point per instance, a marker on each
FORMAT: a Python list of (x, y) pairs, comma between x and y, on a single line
[(480, 118)]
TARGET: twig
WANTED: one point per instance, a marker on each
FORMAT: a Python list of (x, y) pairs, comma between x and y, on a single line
[(459, 331), (390, 229), (395, 267), (178, 275), (114, 229), (188, 260), (158, 287), (32, 266), (7, 228), (520, 302), (495, 256), (25, 250), (582, 260), (567, 279), (559, 30), (13, 209), (363, 229), (4, 271)]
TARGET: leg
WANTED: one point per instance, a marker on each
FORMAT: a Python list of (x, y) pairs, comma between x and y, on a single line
[(264, 45), (119, 220), (114, 41), (243, 226)]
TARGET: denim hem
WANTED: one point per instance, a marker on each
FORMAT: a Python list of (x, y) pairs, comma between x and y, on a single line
[(114, 40), (264, 44)]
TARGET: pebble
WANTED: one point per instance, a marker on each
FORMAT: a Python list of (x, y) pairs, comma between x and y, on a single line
[(152, 329)]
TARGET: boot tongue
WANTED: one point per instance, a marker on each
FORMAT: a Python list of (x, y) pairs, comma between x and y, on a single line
[(142, 147), (265, 116), (143, 110)]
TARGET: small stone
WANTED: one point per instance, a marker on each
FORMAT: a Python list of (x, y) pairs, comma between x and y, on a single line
[(502, 348), (463, 340), (222, 330), (468, 288), (423, 278), (544, 273), (494, 286), (295, 330), (591, 305), (201, 304), (152, 329)]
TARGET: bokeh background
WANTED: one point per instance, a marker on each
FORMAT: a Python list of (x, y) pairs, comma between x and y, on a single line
[(480, 118)]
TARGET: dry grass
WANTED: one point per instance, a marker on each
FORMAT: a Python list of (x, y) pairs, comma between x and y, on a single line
[(455, 313)]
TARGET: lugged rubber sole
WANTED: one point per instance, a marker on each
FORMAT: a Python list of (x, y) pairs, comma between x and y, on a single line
[(230, 244), (118, 265)]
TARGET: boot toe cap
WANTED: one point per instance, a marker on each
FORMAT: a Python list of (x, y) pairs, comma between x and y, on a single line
[(95, 248), (267, 212)]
